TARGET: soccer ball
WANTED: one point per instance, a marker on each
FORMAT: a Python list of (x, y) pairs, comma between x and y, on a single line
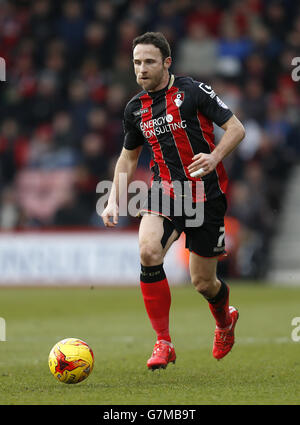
[(71, 360)]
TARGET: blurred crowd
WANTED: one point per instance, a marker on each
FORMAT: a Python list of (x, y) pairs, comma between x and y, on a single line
[(69, 75)]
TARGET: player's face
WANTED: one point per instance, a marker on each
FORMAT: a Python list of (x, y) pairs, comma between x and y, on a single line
[(150, 69)]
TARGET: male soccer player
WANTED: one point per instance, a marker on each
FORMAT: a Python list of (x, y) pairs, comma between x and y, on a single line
[(174, 116)]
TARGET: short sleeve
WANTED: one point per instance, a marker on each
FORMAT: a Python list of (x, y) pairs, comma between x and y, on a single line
[(210, 105), (133, 137)]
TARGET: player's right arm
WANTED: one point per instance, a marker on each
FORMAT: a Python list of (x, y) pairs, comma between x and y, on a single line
[(123, 174)]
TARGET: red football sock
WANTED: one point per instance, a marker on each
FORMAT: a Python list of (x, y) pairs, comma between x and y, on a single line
[(219, 306), (157, 299)]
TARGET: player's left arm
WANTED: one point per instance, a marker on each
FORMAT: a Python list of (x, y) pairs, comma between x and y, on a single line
[(233, 135)]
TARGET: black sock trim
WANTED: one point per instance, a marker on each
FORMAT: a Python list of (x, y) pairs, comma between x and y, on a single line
[(151, 274), (222, 294)]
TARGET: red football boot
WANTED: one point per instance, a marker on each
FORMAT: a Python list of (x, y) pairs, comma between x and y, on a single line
[(163, 353), (224, 338)]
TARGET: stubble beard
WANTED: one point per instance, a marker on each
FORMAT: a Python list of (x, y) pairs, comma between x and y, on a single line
[(151, 84)]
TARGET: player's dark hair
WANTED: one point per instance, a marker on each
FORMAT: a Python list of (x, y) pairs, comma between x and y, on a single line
[(157, 39)]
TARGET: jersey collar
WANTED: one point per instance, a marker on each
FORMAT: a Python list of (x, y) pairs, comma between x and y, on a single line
[(171, 81), (168, 86)]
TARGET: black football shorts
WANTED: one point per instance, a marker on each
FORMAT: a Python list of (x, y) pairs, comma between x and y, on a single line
[(206, 239)]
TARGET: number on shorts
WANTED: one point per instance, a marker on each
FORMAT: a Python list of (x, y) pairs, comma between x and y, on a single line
[(221, 237)]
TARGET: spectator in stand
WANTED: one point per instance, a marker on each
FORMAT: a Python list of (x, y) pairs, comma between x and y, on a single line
[(95, 80), (246, 152), (105, 11), (41, 22), (116, 100), (71, 212), (54, 61), (167, 16), (205, 13), (256, 68), (95, 41), (9, 211), (231, 43), (63, 133), (254, 100), (79, 105), (71, 26), (197, 53), (275, 18), (123, 75), (93, 167), (46, 100), (13, 151), (127, 31)]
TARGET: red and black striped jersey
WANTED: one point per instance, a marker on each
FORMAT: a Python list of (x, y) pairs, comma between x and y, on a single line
[(177, 123)]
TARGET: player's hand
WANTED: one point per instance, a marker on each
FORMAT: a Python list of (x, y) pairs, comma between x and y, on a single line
[(110, 212), (203, 163)]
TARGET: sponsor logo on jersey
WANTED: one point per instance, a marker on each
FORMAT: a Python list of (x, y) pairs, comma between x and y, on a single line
[(161, 125), (140, 112), (221, 103)]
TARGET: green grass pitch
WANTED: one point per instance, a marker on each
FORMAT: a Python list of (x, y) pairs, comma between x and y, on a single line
[(263, 367)]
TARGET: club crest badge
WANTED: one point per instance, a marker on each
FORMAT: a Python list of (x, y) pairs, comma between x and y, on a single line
[(178, 98)]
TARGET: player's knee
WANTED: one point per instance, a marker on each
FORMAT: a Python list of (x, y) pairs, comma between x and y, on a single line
[(150, 254), (203, 285)]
